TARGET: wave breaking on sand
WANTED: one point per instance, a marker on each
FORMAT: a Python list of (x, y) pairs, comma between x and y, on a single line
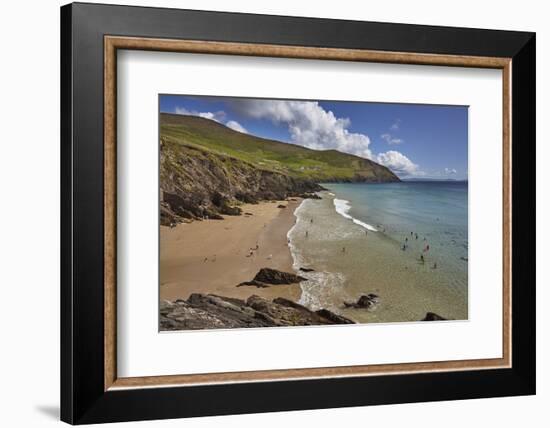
[(342, 207), (321, 286)]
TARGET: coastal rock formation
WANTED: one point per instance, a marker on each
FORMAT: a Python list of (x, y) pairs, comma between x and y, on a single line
[(267, 277), (274, 276), (303, 269), (207, 311), (253, 283), (432, 316), (196, 184), (208, 170), (368, 301)]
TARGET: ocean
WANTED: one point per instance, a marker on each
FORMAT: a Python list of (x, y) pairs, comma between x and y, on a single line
[(406, 242)]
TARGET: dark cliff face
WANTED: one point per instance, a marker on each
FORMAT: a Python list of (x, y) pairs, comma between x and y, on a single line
[(198, 184)]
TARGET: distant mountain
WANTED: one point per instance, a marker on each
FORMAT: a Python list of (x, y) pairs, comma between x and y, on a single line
[(208, 169)]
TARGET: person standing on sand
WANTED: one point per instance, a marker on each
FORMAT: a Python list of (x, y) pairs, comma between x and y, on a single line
[(422, 258), (344, 250), (306, 233)]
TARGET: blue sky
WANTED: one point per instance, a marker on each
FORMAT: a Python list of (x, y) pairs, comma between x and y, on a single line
[(413, 140)]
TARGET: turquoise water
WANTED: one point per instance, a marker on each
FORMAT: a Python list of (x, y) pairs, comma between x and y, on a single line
[(406, 242), (436, 212)]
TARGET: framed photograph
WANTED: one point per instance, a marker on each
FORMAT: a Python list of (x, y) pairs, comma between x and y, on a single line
[(267, 213)]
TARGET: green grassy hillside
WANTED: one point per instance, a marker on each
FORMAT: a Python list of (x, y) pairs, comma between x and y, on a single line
[(295, 161)]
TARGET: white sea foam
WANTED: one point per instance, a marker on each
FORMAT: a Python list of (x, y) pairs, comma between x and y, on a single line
[(342, 207), (320, 285)]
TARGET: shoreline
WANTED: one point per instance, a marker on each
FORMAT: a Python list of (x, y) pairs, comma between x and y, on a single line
[(351, 260), (214, 256)]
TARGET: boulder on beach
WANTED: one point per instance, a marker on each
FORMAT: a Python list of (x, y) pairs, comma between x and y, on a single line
[(366, 301), (274, 276), (303, 269), (432, 316), (254, 284)]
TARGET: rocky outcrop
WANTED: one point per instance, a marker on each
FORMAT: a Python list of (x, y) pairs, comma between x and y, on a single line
[(198, 184), (274, 276), (432, 316), (266, 277), (209, 311), (368, 301), (253, 283)]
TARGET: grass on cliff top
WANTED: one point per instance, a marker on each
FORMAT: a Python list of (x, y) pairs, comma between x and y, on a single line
[(297, 161)]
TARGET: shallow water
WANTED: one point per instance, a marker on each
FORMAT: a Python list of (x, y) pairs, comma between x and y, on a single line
[(354, 239)]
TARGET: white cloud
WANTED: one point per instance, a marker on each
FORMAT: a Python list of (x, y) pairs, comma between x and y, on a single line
[(236, 126), (390, 140), (218, 116), (399, 163), (450, 171), (309, 125)]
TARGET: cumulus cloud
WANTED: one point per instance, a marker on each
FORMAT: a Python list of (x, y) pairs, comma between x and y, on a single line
[(236, 126), (309, 124), (398, 163), (218, 116), (391, 140), (450, 171)]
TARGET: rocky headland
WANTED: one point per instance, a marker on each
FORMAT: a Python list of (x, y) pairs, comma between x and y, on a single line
[(208, 170)]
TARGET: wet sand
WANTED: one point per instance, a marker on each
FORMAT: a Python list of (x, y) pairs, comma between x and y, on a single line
[(212, 256)]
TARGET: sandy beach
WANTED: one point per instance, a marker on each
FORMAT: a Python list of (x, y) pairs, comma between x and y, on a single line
[(213, 256)]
